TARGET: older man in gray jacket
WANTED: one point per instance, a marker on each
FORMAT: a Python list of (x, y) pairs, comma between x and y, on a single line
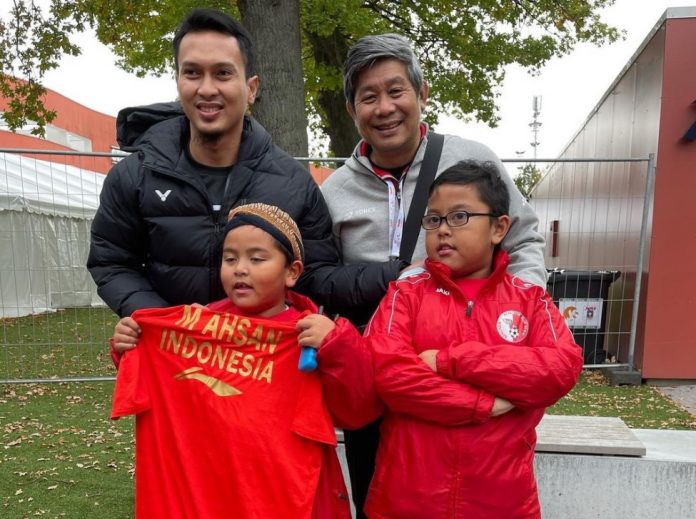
[(369, 197)]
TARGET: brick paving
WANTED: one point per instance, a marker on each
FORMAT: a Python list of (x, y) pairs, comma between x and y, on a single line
[(684, 395)]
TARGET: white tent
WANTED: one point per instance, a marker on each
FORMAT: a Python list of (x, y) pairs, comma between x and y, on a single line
[(46, 210)]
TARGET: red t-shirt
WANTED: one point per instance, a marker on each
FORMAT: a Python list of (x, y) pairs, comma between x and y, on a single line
[(226, 426)]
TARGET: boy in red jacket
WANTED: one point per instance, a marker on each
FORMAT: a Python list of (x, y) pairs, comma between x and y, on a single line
[(465, 357), (226, 424)]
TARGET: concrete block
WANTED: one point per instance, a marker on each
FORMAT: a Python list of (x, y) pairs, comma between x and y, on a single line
[(622, 376), (588, 487)]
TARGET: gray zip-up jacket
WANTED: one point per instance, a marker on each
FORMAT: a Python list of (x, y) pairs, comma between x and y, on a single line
[(358, 201)]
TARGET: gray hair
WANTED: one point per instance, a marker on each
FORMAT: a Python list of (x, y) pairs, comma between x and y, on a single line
[(369, 49)]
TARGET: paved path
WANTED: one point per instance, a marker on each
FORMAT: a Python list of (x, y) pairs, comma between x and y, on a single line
[(684, 395)]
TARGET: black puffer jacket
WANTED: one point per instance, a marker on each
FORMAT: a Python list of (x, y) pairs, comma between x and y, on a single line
[(155, 241)]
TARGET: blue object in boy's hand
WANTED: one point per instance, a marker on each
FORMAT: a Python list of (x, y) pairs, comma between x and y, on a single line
[(308, 359)]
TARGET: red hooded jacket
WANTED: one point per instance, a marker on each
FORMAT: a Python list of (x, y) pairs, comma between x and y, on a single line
[(441, 454)]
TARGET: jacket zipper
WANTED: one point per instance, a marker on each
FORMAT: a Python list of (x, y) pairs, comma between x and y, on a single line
[(213, 277)]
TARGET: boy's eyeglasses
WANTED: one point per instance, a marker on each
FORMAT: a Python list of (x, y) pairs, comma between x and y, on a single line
[(430, 222)]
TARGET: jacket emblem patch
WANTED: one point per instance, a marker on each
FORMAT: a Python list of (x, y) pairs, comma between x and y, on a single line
[(442, 291), (163, 196), (513, 326)]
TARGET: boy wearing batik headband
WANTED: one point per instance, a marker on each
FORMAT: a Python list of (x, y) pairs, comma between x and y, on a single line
[(261, 260)]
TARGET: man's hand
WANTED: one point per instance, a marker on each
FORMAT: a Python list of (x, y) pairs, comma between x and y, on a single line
[(501, 406), (313, 330), (429, 357), (126, 334)]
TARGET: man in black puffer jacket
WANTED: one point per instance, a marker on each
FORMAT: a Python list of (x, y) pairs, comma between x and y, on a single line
[(156, 238), (157, 234)]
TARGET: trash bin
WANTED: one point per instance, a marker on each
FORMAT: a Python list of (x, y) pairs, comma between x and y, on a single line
[(581, 296)]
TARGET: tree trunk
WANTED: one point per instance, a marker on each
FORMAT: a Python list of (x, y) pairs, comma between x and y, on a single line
[(331, 51), (280, 106)]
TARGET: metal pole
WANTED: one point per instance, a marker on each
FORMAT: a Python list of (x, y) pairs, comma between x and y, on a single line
[(519, 161), (69, 153), (122, 154), (649, 189)]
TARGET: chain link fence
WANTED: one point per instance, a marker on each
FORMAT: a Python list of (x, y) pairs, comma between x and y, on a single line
[(54, 327)]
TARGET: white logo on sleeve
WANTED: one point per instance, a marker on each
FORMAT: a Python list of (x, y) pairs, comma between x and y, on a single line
[(513, 326), (163, 196)]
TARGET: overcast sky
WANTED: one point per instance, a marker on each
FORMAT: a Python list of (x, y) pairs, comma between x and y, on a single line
[(569, 87)]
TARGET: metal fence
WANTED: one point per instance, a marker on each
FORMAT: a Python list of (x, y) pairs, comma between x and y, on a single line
[(54, 328), (594, 216)]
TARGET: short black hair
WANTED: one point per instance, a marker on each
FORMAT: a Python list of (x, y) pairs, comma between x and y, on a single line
[(200, 20), (487, 179)]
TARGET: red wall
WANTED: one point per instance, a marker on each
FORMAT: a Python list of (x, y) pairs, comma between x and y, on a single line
[(319, 173), (75, 118), (670, 342)]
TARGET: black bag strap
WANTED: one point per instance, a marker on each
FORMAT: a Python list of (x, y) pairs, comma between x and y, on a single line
[(411, 229)]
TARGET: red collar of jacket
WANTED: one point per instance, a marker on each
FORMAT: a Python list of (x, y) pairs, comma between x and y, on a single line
[(302, 303), (443, 274)]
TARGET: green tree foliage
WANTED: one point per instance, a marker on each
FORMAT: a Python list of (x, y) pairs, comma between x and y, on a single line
[(31, 43), (463, 45), (529, 176)]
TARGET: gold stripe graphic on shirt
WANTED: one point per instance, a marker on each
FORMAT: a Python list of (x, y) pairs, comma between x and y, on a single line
[(216, 385)]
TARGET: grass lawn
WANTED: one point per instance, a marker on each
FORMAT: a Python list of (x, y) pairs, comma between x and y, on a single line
[(61, 455), (65, 344), (641, 407)]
